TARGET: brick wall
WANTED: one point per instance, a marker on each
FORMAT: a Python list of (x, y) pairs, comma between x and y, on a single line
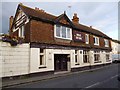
[(41, 32)]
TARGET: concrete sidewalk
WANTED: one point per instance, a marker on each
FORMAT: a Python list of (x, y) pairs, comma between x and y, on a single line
[(14, 82)]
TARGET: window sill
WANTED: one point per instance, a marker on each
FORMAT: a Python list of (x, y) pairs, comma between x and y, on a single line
[(106, 46), (87, 42), (97, 61), (64, 38), (42, 67), (77, 64), (96, 44)]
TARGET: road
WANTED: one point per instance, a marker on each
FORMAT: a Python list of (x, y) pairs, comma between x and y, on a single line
[(105, 77)]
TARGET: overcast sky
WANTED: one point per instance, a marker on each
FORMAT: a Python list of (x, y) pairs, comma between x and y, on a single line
[(100, 15)]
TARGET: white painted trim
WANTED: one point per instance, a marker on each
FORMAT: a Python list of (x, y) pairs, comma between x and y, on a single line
[(87, 36), (107, 43), (95, 40), (61, 34)]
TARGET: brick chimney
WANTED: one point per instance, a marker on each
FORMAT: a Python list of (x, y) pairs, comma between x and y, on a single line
[(90, 26), (75, 18), (36, 8), (10, 24), (41, 10)]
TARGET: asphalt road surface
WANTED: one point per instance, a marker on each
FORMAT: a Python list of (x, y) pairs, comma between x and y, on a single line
[(105, 77)]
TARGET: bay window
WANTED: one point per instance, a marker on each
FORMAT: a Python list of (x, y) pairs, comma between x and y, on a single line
[(63, 32)]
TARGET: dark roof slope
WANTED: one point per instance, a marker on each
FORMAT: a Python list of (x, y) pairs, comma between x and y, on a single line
[(37, 13), (90, 30), (43, 15)]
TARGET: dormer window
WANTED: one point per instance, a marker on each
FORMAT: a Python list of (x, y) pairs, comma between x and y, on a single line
[(63, 32), (96, 40), (106, 43)]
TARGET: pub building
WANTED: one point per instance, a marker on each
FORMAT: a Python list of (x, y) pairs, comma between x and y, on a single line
[(58, 43)]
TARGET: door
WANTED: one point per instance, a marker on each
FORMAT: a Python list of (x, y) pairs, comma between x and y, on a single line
[(60, 62)]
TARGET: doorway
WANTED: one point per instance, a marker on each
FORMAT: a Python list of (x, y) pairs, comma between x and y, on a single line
[(60, 62)]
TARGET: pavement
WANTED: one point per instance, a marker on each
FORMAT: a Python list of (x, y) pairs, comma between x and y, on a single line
[(15, 82)]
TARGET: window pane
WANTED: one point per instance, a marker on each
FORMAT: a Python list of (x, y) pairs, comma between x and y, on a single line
[(94, 40), (41, 50), (41, 60), (86, 38), (58, 30), (68, 32), (76, 58), (22, 34), (64, 32)]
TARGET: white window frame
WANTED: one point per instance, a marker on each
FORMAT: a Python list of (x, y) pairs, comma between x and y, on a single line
[(87, 37), (61, 33), (86, 53), (107, 59), (96, 38), (106, 44), (97, 53), (44, 62), (21, 31), (76, 55)]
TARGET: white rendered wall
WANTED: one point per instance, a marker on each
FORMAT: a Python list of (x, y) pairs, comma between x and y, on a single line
[(35, 60), (15, 60)]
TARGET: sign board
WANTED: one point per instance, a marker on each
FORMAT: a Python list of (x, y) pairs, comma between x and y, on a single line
[(78, 36)]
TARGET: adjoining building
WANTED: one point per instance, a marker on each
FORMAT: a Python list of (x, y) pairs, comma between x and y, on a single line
[(57, 43), (115, 46)]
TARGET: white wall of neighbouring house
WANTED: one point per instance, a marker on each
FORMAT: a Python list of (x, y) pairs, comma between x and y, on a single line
[(14, 59)]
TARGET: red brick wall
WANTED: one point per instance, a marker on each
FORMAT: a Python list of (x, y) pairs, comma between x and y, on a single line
[(27, 32), (41, 32)]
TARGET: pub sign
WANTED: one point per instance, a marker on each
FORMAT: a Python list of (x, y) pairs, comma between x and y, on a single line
[(78, 36)]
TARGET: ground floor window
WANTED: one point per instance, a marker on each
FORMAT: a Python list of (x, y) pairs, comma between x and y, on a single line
[(76, 57), (86, 56), (97, 56), (107, 57), (42, 57)]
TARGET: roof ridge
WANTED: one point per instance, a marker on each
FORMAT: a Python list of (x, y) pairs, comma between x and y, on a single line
[(36, 10)]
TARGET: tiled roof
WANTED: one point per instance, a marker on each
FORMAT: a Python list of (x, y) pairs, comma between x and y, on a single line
[(37, 13), (43, 15)]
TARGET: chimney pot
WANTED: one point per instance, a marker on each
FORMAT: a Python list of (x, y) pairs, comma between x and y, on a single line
[(90, 26), (75, 18), (36, 8)]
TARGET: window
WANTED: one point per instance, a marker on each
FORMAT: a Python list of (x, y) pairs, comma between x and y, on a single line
[(86, 38), (86, 56), (63, 32), (58, 30), (106, 43), (21, 31), (97, 56), (42, 57), (107, 57), (96, 40), (76, 57)]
